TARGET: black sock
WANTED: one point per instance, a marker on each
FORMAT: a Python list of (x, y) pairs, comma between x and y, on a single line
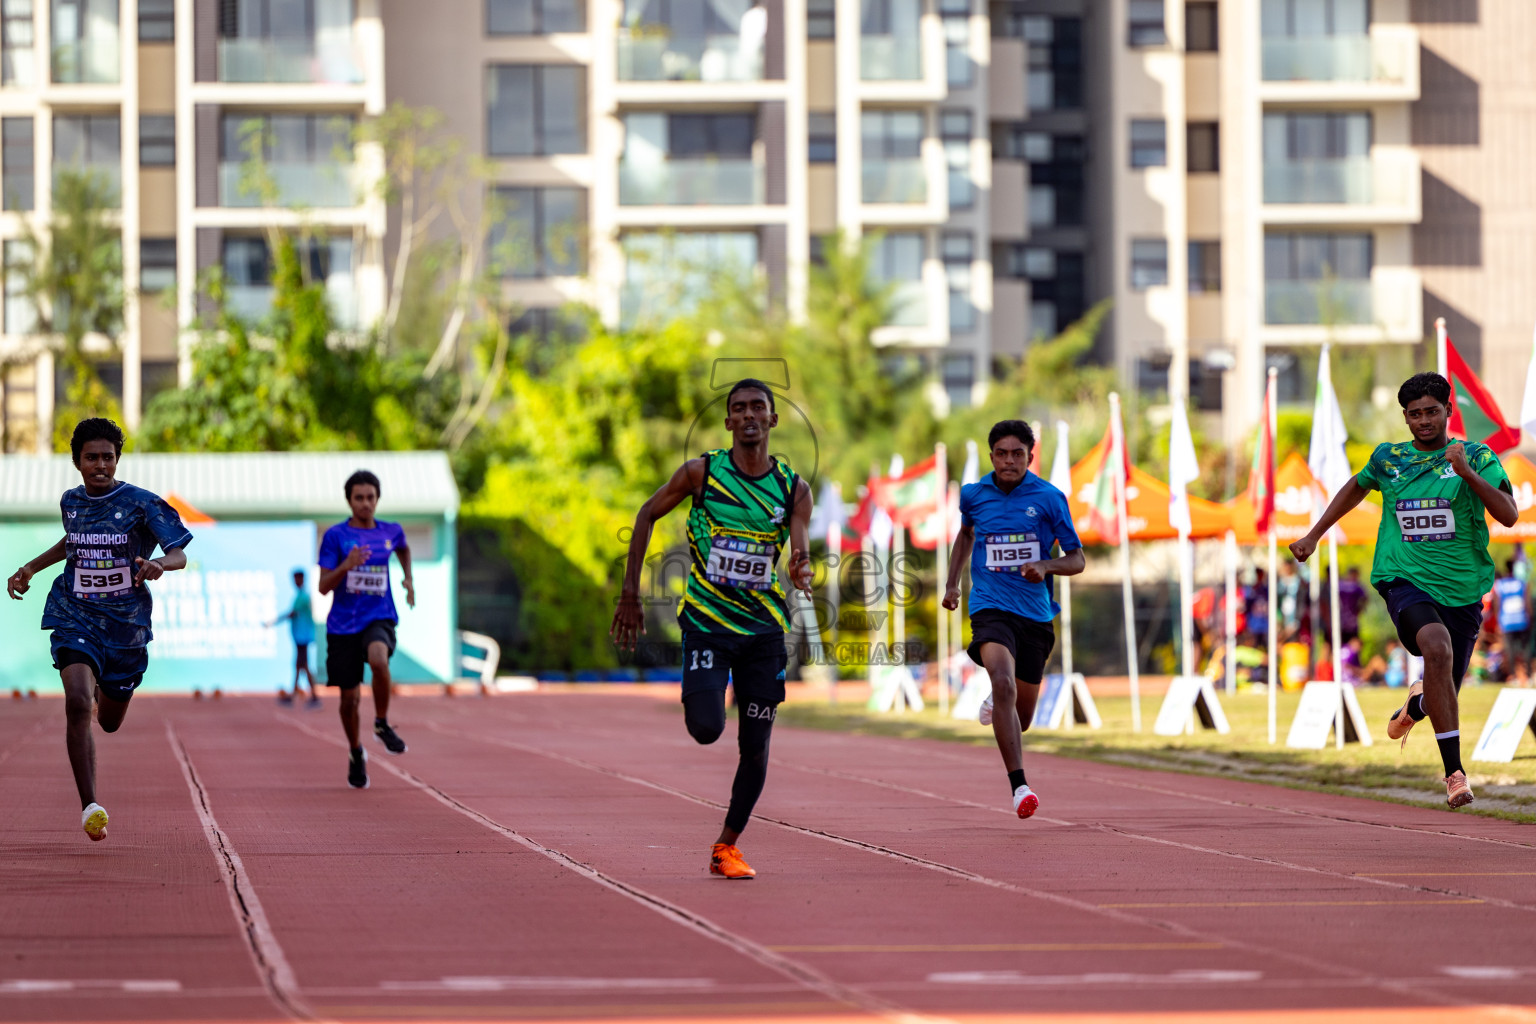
[(356, 751), (1015, 780), (1450, 750), (380, 721), (1416, 707)]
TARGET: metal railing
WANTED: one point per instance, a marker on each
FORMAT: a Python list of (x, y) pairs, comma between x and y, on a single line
[(314, 185), (286, 61), (651, 53), (891, 58), (691, 183), (903, 180)]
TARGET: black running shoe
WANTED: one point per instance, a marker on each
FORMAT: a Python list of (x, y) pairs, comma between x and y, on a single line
[(387, 736), (357, 769)]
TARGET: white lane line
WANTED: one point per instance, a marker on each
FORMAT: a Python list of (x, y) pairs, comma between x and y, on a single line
[(807, 976), (1191, 977), (271, 964), (519, 984), (33, 986), (1311, 964)]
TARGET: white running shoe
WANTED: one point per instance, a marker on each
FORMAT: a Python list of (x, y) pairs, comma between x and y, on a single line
[(1025, 802), (984, 716), (94, 820)]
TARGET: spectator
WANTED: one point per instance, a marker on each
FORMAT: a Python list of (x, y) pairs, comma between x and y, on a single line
[(1323, 669), (1349, 659), (1288, 592), (1510, 595), (1396, 671), (1351, 603), (1256, 604)]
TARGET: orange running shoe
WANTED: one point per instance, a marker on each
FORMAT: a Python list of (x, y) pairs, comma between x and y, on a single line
[(725, 859), (1457, 792), (1399, 724)]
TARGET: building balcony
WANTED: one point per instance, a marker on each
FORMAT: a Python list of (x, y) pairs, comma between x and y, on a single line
[(654, 54), (254, 302), (109, 174), (1380, 66), (890, 58), (1383, 187), (895, 181), (327, 185), (287, 61), (87, 62), (1387, 307), (691, 183)]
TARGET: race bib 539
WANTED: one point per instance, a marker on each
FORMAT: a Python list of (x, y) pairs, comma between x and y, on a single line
[(1426, 519), (102, 582), (1008, 552), (734, 562)]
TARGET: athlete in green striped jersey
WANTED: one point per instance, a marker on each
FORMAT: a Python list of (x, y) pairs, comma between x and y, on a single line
[(746, 505), (1431, 566)]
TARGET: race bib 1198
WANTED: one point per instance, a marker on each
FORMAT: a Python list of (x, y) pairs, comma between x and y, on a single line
[(102, 582), (1425, 519), (372, 580), (734, 562), (1008, 552)]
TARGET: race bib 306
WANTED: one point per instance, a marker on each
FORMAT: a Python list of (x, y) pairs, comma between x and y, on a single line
[(1426, 519), (1009, 552)]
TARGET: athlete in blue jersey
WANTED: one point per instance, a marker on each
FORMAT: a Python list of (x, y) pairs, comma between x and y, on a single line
[(99, 607), (360, 630), (1018, 519)]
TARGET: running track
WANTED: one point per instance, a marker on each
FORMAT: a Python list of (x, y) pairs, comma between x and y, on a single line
[(543, 857)]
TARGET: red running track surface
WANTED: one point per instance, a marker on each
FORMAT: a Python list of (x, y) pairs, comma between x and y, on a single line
[(544, 857)]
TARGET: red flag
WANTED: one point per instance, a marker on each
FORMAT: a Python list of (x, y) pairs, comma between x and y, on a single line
[(858, 523), (1261, 477), (1475, 415), (1104, 509), (911, 497)]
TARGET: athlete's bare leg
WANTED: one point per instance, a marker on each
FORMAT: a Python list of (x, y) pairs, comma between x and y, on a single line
[(378, 661), (1013, 704), (351, 697), (1439, 688)]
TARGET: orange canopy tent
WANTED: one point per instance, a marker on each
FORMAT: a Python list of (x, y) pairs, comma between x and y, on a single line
[(1146, 505), (1522, 480), (1295, 488), (190, 515)]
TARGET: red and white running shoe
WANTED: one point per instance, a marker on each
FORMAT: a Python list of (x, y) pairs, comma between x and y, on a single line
[(1457, 791), (1025, 802)]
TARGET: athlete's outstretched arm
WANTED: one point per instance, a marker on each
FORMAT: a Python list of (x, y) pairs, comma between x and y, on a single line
[(629, 617), (403, 552), (1069, 564), (1350, 495), (154, 568), (21, 580), (959, 554), (800, 571), (1499, 503)]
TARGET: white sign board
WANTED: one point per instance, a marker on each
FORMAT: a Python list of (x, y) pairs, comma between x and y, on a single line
[(977, 688), (1187, 697), (1062, 697), (1507, 722), (1316, 712), (893, 687)]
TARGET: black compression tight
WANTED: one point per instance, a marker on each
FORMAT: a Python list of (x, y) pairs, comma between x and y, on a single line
[(704, 714)]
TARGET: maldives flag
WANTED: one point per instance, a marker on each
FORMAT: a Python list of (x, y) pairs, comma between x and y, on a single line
[(1475, 416), (1103, 508), (1261, 477), (912, 496)]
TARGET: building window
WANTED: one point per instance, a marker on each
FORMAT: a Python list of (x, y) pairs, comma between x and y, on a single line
[(1042, 319), (1042, 206), (1149, 263), (1039, 264), (959, 377), (1321, 136), (892, 166), (1039, 34), (20, 313), (1200, 27), (1313, 18), (157, 21), (157, 140), (1149, 143), (960, 70), (17, 163), (18, 60), (92, 141), (1152, 374), (959, 250), (1308, 256), (85, 41), (667, 274), (819, 246), (1146, 23), (1204, 268), (896, 260), (821, 19), (955, 131), (823, 138), (541, 232), (536, 109), (534, 17), (1202, 141), (157, 264)]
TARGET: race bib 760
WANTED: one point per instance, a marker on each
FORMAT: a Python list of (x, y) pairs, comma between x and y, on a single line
[(372, 580)]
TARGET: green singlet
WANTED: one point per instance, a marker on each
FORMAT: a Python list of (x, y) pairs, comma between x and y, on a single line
[(735, 533), (1433, 532)]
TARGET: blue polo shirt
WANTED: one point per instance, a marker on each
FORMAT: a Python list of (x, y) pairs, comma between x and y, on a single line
[(1013, 529)]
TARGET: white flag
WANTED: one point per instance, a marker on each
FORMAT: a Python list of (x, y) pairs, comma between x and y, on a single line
[(1183, 470), (1528, 404), (829, 512), (1061, 462), (1325, 454), (972, 471)]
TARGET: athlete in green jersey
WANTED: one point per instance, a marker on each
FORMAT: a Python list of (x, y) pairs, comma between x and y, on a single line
[(1432, 565), (746, 505)]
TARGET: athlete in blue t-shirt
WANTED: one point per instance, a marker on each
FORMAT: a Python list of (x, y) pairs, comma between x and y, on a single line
[(354, 565), (301, 620), (99, 608), (1509, 595), (1018, 519)]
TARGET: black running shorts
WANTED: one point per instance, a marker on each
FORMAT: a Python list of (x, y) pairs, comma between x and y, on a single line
[(347, 653), (1412, 609), (1029, 642), (753, 663)]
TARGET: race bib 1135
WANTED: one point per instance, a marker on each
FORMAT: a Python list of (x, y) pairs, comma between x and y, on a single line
[(1009, 552)]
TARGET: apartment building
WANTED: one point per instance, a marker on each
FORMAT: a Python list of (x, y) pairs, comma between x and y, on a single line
[(684, 136), (166, 99)]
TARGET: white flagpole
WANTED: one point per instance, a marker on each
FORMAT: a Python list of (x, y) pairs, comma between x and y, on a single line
[(834, 586), (1273, 675), (1338, 655), (1061, 474), (1230, 604), (1117, 457), (1440, 339), (940, 454)]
